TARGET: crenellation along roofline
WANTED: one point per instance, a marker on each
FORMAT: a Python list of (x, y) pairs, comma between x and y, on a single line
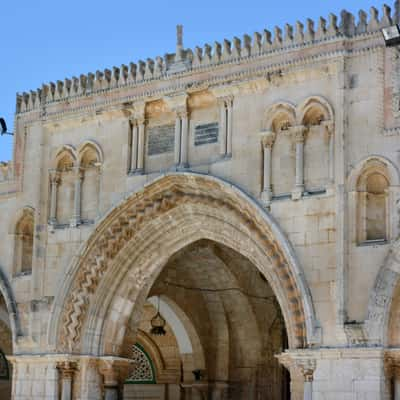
[(206, 57)]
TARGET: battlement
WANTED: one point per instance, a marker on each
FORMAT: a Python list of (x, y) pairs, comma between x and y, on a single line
[(347, 26)]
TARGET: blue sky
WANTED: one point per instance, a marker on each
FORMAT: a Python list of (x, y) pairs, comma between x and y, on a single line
[(49, 40)]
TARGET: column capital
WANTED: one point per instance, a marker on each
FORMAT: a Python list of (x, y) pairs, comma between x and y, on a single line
[(182, 112), (177, 101), (54, 175), (225, 100), (79, 172), (268, 138), (223, 93), (67, 368), (329, 127), (115, 370), (303, 364), (139, 110), (299, 133)]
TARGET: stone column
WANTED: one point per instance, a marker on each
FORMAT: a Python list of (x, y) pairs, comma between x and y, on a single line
[(396, 386), (299, 367), (114, 371), (177, 140), (90, 379), (308, 381), (392, 375), (54, 180), (229, 106), (134, 147), (141, 144), (66, 370), (222, 126), (267, 140), (184, 116), (299, 137), (76, 217)]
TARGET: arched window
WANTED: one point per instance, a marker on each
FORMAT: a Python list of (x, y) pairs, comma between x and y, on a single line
[(317, 156), (65, 188), (372, 193), (90, 170), (24, 243), (283, 164)]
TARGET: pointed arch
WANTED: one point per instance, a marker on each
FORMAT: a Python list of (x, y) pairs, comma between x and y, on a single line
[(313, 110), (278, 116), (316, 114), (180, 208), (279, 119), (92, 146), (23, 241), (65, 152), (8, 295), (90, 162), (376, 325)]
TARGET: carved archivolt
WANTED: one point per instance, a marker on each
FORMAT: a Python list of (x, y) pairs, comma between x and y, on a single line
[(165, 194)]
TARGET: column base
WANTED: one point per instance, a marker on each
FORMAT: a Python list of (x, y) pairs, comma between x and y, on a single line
[(136, 172), (182, 166), (52, 222), (75, 222), (266, 197), (225, 157)]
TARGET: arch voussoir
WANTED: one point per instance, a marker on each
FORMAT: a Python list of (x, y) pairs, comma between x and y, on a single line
[(152, 208)]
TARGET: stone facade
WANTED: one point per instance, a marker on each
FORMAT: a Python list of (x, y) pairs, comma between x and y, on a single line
[(244, 197)]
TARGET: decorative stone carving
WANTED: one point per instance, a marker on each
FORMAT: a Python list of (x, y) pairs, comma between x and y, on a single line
[(67, 370), (143, 208)]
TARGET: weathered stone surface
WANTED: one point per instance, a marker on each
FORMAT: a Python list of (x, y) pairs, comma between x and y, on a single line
[(252, 185)]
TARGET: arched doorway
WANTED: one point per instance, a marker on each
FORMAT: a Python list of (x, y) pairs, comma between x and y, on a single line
[(237, 318), (180, 217)]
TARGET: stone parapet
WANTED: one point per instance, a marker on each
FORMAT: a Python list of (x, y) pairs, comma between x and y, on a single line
[(184, 60)]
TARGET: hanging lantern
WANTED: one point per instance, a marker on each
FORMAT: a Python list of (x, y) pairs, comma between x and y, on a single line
[(158, 323)]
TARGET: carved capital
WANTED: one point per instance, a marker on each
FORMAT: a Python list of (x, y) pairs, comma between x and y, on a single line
[(299, 133), (182, 112), (225, 93), (304, 365), (139, 110), (79, 172), (114, 370), (225, 101), (329, 127), (54, 176), (268, 139), (176, 102), (67, 369)]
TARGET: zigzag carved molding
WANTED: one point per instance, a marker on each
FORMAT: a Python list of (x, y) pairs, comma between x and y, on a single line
[(122, 225)]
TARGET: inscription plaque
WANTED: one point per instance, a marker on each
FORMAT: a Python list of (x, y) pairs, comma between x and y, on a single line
[(161, 139), (206, 134)]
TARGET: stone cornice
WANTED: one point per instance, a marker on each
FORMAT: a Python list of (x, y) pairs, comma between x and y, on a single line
[(184, 81)]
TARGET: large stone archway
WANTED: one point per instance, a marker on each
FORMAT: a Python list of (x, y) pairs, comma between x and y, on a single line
[(380, 301), (145, 230)]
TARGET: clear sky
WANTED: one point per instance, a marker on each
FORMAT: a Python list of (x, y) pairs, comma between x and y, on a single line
[(49, 40)]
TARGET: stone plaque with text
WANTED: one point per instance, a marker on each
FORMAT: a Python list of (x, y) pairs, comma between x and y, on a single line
[(206, 134), (161, 139)]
